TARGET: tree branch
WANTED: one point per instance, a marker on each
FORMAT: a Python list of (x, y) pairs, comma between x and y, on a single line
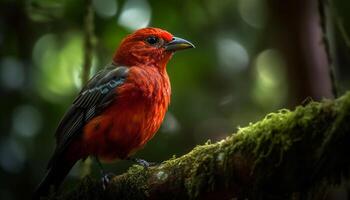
[(287, 155), (88, 40), (323, 23)]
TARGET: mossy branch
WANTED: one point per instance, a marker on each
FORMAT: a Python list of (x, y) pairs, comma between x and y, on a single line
[(287, 155)]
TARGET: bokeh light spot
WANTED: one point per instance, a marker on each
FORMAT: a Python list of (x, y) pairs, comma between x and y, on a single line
[(253, 12), (270, 88), (26, 121), (232, 55), (60, 64), (170, 124), (105, 8), (12, 156), (11, 73), (135, 14)]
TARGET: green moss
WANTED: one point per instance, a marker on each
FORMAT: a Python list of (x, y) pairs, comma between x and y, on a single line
[(135, 169), (201, 176), (260, 138)]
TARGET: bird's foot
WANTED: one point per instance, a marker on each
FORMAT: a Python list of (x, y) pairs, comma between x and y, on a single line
[(143, 163), (106, 179)]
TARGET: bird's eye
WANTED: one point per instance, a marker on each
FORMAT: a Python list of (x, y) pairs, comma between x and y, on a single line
[(152, 40)]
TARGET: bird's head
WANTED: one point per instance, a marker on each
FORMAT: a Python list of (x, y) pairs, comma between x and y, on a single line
[(149, 46)]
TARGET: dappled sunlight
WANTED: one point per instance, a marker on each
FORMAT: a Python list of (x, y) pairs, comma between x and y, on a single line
[(270, 86), (232, 56), (12, 73), (171, 124), (59, 65), (135, 14), (12, 155), (26, 121), (253, 12), (105, 8)]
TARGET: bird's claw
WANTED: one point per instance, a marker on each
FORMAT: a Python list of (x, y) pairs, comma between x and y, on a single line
[(144, 163), (106, 179)]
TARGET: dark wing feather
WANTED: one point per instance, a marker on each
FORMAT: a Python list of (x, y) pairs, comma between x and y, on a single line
[(91, 101)]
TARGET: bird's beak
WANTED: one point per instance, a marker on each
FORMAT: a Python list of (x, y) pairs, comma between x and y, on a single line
[(178, 44)]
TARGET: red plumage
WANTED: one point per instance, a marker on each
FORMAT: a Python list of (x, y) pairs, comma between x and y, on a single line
[(142, 102), (121, 107)]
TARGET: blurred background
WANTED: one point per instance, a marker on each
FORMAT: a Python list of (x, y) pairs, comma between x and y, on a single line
[(252, 57)]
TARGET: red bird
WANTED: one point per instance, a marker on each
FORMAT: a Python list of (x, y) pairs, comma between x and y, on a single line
[(120, 108)]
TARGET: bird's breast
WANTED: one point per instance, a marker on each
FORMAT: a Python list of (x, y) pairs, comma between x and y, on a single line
[(133, 118)]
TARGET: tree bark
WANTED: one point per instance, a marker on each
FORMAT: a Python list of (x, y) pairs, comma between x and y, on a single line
[(287, 155), (296, 27)]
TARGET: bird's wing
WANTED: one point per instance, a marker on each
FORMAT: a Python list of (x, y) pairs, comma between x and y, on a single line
[(91, 101)]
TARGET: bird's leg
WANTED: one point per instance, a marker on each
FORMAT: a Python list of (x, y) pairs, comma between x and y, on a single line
[(106, 177), (142, 162)]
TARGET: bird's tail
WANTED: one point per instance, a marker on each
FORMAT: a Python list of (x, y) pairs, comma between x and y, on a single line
[(53, 178)]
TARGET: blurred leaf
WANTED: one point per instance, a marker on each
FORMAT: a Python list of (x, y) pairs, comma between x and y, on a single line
[(45, 10), (59, 64)]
